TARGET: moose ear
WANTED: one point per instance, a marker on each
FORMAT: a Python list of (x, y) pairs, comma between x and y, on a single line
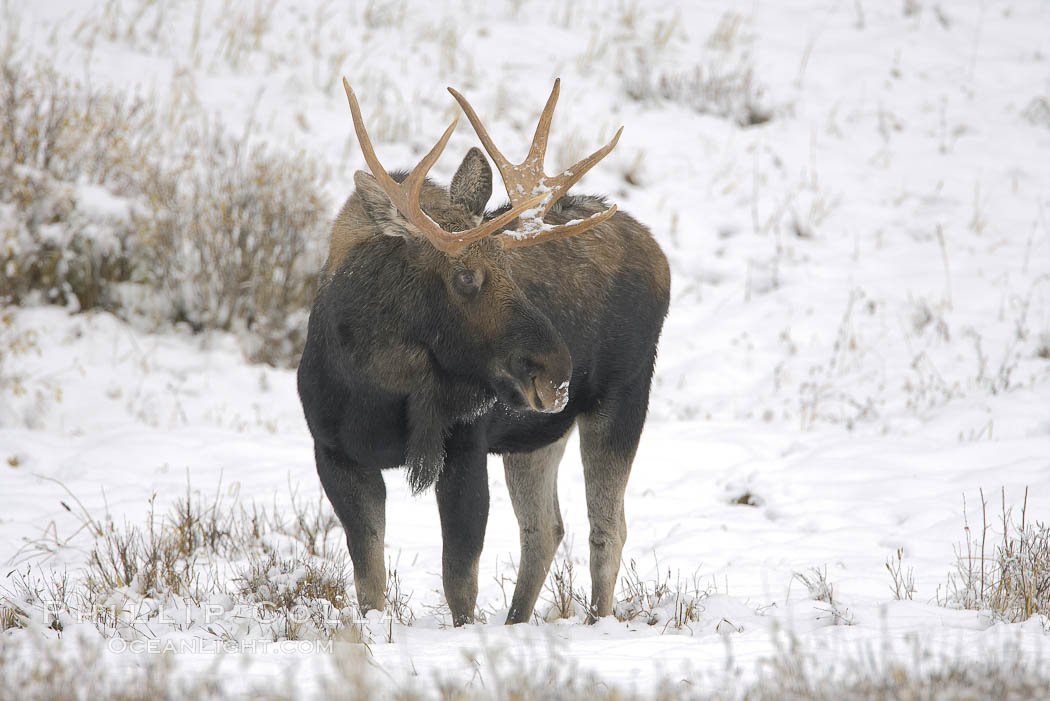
[(378, 206), (472, 184)]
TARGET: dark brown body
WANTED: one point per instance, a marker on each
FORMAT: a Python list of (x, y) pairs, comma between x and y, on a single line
[(396, 370)]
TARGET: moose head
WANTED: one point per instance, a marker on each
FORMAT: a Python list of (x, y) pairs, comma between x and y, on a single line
[(475, 320)]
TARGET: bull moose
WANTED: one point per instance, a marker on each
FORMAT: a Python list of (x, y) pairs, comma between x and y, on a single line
[(442, 332)]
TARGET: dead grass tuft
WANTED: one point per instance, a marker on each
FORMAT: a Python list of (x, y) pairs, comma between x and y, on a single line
[(563, 596), (1010, 577), (107, 203), (821, 589), (675, 603)]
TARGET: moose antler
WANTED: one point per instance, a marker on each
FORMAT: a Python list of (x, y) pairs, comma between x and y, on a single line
[(526, 180), (405, 195)]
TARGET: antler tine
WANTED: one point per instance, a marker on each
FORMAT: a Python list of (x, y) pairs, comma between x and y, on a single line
[(527, 179), (501, 161), (405, 195), (365, 142), (414, 181), (512, 239), (571, 175), (538, 150)]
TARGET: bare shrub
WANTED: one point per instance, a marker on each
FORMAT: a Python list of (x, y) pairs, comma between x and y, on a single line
[(103, 201), (820, 397), (794, 674), (270, 572), (55, 141), (821, 589), (674, 603), (562, 593), (397, 599), (151, 562), (903, 580), (718, 90), (312, 523), (721, 84), (1038, 112), (1010, 578), (195, 525), (233, 240), (303, 596), (10, 617), (285, 581), (379, 14), (44, 597)]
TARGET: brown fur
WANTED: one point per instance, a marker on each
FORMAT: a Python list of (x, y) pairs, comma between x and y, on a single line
[(353, 226)]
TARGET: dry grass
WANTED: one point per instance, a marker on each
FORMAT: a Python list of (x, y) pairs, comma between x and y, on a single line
[(1007, 574), (51, 671), (674, 603), (234, 241), (284, 566), (10, 617), (561, 594), (105, 203), (721, 84), (795, 675), (903, 579), (398, 600), (728, 91), (304, 597), (51, 137), (273, 571), (821, 589)]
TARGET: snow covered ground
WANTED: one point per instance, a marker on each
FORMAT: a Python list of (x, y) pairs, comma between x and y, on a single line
[(859, 335)]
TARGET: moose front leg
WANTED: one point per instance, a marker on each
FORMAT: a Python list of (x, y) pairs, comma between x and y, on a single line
[(463, 503), (358, 496)]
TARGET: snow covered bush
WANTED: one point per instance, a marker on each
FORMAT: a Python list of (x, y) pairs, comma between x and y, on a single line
[(673, 604), (302, 596), (1013, 579), (62, 237), (106, 204), (208, 564), (234, 240)]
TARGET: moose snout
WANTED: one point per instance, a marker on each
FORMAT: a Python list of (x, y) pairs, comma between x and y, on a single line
[(543, 379)]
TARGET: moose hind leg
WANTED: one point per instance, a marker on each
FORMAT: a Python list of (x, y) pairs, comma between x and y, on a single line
[(532, 480), (608, 441), (358, 496), (463, 504)]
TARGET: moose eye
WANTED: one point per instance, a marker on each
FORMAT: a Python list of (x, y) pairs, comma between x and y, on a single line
[(467, 282)]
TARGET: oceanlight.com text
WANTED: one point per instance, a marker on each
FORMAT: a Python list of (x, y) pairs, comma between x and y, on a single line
[(202, 646)]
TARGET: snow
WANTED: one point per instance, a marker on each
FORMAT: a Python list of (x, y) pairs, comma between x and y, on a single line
[(858, 337)]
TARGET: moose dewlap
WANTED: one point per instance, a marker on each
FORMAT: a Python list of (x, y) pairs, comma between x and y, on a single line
[(442, 332)]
